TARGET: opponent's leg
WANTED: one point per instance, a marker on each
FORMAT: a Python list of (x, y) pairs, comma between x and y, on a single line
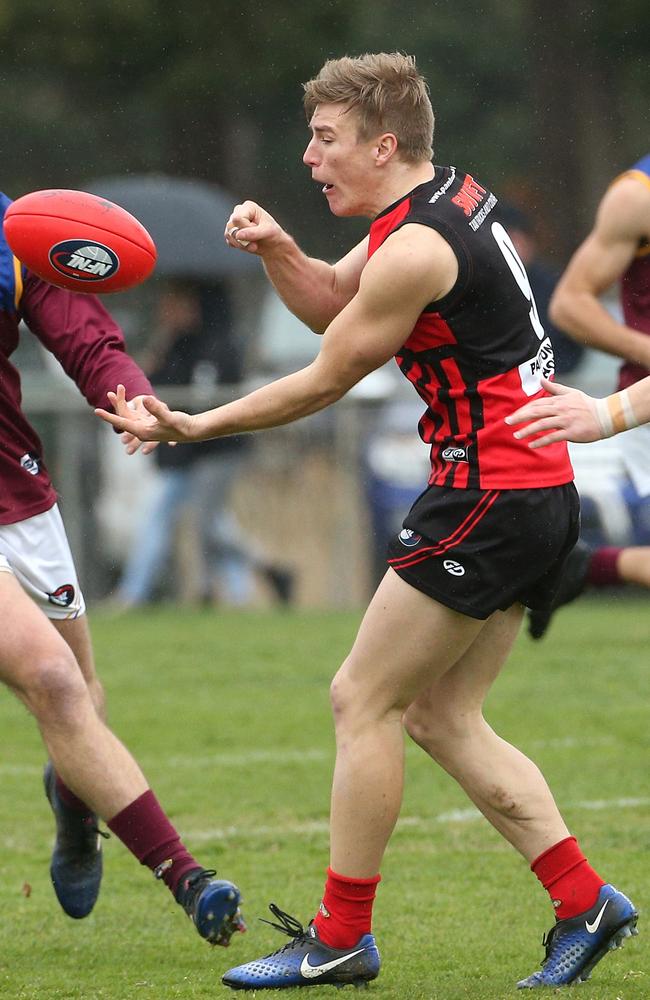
[(633, 565), (76, 633), (38, 665), (587, 569), (77, 863), (572, 584)]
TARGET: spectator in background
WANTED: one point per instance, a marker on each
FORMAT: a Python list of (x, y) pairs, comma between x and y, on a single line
[(184, 350)]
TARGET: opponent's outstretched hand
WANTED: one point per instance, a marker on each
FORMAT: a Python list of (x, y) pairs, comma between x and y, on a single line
[(152, 421), (568, 414), (252, 228)]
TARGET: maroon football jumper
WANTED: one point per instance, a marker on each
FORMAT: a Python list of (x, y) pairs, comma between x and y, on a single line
[(81, 334), (635, 288)]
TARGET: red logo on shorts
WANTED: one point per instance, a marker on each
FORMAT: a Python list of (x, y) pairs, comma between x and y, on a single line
[(63, 596)]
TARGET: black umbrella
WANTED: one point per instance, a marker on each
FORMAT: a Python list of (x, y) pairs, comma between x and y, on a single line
[(186, 219)]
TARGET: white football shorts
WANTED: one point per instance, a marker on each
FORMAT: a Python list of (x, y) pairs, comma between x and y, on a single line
[(37, 552), (634, 448)]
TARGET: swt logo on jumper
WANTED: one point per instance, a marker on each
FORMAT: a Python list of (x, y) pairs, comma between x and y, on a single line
[(470, 195), (83, 260)]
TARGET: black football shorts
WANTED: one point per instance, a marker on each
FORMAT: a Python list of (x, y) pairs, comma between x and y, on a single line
[(478, 551)]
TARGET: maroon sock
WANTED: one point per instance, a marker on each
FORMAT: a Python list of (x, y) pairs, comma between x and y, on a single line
[(603, 567), (69, 798), (144, 828), (345, 913), (568, 877)]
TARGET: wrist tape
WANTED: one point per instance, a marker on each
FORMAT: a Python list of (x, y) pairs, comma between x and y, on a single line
[(615, 414)]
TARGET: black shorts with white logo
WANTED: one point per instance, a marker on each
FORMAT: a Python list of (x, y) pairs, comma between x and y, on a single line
[(478, 551)]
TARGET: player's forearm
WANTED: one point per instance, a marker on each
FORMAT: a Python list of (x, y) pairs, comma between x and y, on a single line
[(307, 286), (639, 394), (586, 320), (281, 402), (626, 409), (82, 335)]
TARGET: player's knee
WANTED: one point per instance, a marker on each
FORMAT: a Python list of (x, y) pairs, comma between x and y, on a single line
[(358, 707), (341, 697), (353, 705), (55, 686), (418, 726), (440, 733)]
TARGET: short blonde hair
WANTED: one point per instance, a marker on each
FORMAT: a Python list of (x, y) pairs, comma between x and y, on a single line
[(387, 93)]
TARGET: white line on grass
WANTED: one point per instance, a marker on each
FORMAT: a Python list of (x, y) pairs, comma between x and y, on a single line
[(216, 760), (405, 822), (245, 758)]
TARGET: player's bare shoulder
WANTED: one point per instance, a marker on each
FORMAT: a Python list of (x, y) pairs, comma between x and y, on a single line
[(420, 259), (625, 208)]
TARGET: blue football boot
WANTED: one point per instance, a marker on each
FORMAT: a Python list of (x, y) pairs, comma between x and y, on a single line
[(574, 946), (76, 867), (211, 904), (306, 961)]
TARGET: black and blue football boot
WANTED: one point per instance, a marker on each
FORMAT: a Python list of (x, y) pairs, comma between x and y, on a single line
[(212, 905), (575, 945), (306, 961), (76, 866)]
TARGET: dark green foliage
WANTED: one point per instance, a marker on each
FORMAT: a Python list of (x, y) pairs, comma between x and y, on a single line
[(524, 92)]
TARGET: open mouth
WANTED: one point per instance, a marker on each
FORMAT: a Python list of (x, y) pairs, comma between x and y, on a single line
[(327, 187)]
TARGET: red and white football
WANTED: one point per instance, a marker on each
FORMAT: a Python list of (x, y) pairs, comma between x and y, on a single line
[(79, 241)]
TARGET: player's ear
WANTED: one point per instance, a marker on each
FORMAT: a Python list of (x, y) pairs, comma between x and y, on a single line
[(386, 147)]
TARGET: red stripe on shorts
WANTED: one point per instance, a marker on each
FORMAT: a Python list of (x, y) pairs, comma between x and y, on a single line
[(458, 535)]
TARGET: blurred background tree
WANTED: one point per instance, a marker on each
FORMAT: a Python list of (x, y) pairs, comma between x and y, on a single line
[(545, 100)]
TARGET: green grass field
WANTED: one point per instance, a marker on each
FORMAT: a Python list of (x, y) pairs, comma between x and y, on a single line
[(229, 716)]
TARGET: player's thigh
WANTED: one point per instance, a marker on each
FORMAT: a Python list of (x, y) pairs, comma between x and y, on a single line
[(406, 641), (457, 696), (38, 553), (28, 640)]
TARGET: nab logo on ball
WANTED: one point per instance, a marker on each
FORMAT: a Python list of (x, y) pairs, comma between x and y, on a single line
[(59, 235), (83, 260)]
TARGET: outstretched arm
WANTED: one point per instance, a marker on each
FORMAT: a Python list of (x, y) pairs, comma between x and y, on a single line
[(413, 268), (572, 415)]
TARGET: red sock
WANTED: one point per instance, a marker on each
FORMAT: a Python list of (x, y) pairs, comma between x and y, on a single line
[(144, 828), (603, 567), (70, 798), (345, 913), (568, 877)]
